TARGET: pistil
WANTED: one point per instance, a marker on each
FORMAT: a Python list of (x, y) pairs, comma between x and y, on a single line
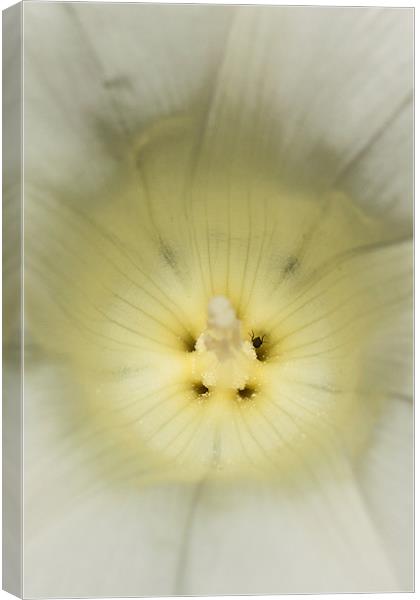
[(223, 358)]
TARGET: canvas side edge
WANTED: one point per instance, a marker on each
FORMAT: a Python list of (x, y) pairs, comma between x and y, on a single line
[(12, 542)]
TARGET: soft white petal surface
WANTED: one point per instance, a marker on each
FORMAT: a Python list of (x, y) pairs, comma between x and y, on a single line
[(330, 88), (326, 95), (268, 541), (386, 478), (96, 74), (337, 86), (319, 535), (85, 537)]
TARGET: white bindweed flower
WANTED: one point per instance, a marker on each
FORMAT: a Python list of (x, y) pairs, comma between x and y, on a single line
[(217, 229)]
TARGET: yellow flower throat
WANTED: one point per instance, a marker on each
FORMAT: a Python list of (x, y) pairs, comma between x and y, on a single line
[(214, 322)]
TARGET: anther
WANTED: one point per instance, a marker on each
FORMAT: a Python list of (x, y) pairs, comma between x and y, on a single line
[(247, 392), (200, 389)]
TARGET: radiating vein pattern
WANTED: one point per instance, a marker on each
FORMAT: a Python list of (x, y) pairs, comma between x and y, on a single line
[(119, 292)]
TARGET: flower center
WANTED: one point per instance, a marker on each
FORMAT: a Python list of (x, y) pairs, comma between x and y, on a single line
[(218, 323)]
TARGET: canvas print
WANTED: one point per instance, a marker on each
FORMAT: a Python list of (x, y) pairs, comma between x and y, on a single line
[(207, 309)]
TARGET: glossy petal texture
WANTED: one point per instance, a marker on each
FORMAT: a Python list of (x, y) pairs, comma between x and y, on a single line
[(156, 178)]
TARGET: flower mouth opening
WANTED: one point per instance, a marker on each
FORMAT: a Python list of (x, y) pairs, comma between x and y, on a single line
[(189, 343), (243, 322), (246, 393), (200, 389)]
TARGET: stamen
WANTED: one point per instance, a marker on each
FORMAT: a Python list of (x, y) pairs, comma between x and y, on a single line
[(200, 389), (246, 393)]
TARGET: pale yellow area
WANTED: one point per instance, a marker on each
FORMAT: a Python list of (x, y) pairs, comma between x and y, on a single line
[(120, 291)]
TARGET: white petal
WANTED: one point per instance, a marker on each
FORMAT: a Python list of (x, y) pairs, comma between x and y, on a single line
[(312, 538), (95, 74), (344, 75), (326, 94), (113, 544), (87, 536), (328, 89), (386, 475), (381, 174), (326, 534), (336, 88)]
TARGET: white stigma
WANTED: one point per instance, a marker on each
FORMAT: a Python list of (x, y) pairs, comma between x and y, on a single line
[(224, 355), (223, 334)]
